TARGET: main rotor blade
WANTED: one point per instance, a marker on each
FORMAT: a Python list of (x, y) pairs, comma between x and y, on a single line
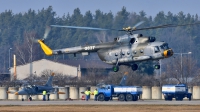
[(78, 27), (138, 24), (133, 29), (164, 26)]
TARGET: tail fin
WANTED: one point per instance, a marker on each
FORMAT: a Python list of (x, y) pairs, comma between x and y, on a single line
[(45, 48), (123, 81), (49, 82)]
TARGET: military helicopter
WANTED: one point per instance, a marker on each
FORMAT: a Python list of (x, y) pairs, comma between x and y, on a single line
[(129, 49)]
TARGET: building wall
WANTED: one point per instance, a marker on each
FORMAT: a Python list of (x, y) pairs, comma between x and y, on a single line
[(23, 71)]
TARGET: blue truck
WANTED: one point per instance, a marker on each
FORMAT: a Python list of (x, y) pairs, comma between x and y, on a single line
[(178, 92), (122, 92)]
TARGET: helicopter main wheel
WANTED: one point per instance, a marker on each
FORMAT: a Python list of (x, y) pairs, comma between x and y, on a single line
[(157, 66), (115, 68), (134, 67)]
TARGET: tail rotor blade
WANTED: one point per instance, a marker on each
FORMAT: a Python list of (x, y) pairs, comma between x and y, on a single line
[(34, 40), (47, 30)]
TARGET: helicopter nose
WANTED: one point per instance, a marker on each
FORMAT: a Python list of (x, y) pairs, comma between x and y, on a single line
[(168, 53)]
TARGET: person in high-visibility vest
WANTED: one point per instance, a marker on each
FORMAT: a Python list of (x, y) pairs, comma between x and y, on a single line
[(87, 94), (95, 94), (44, 95)]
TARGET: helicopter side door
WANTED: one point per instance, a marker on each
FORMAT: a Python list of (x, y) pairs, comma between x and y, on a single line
[(148, 51)]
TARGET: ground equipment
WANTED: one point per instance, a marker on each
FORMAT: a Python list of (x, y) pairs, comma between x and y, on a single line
[(123, 93), (178, 92)]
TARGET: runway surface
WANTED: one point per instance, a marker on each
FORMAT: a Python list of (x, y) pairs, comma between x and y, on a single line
[(80, 102)]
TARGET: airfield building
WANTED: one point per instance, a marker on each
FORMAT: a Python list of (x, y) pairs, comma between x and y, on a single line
[(40, 66)]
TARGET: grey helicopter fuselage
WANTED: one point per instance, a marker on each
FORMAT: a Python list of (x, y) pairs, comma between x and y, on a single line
[(129, 49), (124, 50)]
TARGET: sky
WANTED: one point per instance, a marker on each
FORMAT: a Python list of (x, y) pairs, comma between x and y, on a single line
[(61, 7)]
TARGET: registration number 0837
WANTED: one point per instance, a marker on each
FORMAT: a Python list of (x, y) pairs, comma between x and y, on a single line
[(89, 48)]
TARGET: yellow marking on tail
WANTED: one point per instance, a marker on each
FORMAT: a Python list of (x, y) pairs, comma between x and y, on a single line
[(45, 48)]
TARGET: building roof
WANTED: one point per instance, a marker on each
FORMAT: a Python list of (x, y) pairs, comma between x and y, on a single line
[(47, 61), (39, 67)]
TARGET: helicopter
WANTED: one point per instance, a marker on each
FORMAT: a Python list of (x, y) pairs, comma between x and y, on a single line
[(129, 49)]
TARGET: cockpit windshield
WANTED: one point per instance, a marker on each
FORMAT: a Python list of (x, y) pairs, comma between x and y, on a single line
[(29, 86), (156, 49), (164, 46)]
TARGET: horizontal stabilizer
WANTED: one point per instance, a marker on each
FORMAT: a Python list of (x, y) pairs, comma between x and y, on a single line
[(10, 92), (61, 92)]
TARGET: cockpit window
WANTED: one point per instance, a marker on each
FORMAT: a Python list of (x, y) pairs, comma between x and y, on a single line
[(132, 41), (156, 49), (164, 46), (29, 86)]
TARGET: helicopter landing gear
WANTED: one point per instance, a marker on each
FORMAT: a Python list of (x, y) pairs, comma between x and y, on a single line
[(115, 68), (157, 66), (134, 67)]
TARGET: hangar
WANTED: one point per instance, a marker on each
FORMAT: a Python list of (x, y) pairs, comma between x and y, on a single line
[(37, 67)]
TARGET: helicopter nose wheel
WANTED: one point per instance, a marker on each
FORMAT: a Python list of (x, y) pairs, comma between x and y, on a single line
[(115, 68), (134, 67), (157, 66)]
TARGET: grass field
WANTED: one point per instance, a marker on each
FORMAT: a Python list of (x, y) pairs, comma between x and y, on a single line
[(102, 108)]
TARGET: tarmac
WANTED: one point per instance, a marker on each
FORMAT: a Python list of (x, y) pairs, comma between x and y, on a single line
[(91, 102)]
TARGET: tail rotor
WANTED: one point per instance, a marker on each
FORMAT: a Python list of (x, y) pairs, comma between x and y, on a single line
[(47, 30), (46, 33)]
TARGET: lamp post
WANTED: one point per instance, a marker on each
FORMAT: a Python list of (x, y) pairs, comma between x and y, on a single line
[(9, 59), (182, 63), (9, 63), (160, 71)]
